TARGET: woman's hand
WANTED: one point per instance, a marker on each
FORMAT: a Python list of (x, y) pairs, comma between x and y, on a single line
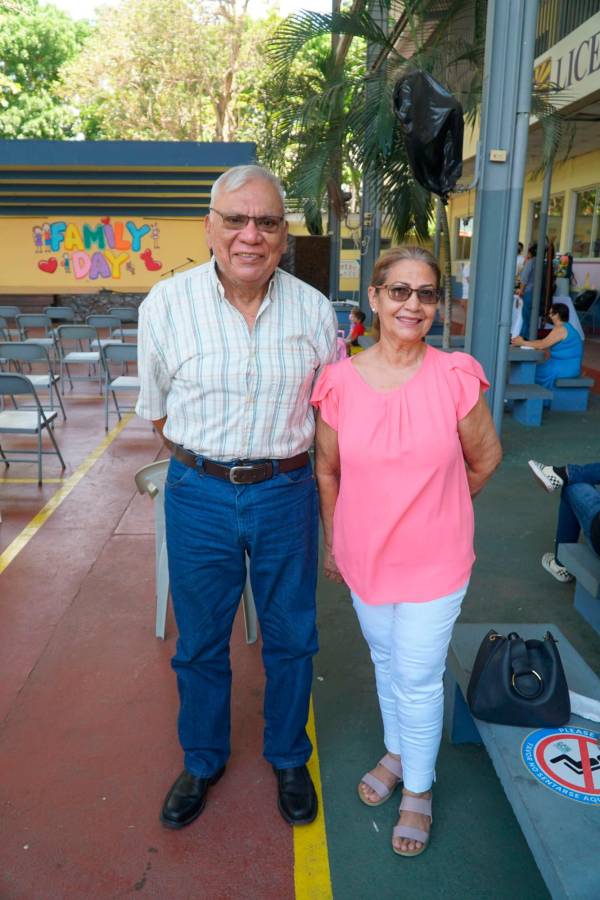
[(330, 568), (518, 341)]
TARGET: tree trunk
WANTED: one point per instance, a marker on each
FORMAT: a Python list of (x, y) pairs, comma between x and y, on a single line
[(447, 279)]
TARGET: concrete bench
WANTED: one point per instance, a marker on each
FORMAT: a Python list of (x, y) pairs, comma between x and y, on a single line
[(571, 394), (527, 402), (582, 562), (563, 834), (456, 340)]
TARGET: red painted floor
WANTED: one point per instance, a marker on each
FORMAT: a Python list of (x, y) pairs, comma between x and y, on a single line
[(88, 706)]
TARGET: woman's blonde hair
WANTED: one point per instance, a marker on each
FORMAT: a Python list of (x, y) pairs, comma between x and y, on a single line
[(398, 254), (390, 258)]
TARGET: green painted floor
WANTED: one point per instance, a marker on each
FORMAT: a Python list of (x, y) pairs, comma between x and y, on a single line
[(477, 850)]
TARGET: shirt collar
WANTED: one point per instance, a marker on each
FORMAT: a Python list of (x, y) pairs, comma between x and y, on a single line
[(269, 296)]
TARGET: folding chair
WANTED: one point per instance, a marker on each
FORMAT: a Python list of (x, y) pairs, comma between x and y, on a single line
[(28, 321), (20, 421), (11, 312), (79, 336), (60, 315), (118, 353), (4, 335), (150, 480), (18, 352), (126, 314), (108, 328)]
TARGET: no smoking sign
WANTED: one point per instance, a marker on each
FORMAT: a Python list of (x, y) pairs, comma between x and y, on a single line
[(566, 760)]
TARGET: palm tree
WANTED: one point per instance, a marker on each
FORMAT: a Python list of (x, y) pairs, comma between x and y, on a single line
[(340, 116)]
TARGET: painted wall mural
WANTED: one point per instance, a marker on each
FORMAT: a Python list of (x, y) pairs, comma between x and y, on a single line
[(96, 250)]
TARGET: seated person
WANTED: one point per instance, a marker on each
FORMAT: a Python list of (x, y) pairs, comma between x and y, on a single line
[(357, 318), (579, 508), (564, 345)]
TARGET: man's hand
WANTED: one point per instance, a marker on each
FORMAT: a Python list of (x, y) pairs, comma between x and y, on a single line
[(330, 568)]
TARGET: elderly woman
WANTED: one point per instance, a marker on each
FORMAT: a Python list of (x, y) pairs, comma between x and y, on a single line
[(564, 345), (404, 439)]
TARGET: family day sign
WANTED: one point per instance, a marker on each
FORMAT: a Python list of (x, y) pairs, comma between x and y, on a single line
[(102, 249)]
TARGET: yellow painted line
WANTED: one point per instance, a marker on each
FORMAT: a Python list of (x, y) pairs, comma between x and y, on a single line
[(30, 480), (30, 530), (312, 879)]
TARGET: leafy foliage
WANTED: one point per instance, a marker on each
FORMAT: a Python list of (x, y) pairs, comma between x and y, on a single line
[(345, 116), (175, 70), (35, 41)]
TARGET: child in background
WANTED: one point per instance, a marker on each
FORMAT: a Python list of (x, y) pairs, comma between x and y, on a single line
[(357, 318)]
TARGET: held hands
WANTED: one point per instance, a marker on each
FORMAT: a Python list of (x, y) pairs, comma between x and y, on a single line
[(330, 569), (518, 341)]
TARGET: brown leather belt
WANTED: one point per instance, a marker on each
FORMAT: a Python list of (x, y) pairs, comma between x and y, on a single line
[(247, 471)]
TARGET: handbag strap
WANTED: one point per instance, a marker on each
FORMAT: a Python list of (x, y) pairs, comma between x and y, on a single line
[(519, 660), (521, 666)]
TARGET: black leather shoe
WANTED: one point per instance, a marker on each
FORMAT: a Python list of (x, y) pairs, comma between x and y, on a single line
[(186, 799), (297, 799)]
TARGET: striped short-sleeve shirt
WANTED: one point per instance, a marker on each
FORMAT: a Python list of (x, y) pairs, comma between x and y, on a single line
[(227, 392)]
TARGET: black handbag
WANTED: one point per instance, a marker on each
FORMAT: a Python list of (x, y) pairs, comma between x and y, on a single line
[(517, 682)]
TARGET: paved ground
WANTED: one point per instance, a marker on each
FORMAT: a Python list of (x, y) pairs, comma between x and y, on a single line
[(87, 701)]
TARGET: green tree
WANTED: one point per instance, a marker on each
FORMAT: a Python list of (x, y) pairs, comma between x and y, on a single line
[(169, 70), (35, 41), (445, 40)]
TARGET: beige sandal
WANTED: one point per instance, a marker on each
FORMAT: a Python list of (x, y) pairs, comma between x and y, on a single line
[(394, 767), (419, 805)]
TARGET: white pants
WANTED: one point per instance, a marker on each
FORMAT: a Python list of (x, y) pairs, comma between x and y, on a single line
[(409, 644)]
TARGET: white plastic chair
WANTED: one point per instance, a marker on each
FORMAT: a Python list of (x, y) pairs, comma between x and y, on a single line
[(150, 480)]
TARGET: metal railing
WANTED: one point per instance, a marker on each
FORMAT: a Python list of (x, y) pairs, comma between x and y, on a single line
[(558, 18)]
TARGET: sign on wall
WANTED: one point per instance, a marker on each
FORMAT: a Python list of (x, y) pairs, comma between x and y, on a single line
[(82, 254), (97, 250), (573, 64)]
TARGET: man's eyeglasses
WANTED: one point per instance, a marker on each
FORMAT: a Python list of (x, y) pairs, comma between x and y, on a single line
[(238, 221), (401, 292)]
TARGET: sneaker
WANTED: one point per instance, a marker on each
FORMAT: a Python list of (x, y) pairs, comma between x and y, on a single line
[(550, 565), (546, 475)]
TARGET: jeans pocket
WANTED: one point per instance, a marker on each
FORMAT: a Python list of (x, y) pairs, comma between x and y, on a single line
[(298, 476), (178, 473)]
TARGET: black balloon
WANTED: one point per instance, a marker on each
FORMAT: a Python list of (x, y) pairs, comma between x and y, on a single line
[(432, 126)]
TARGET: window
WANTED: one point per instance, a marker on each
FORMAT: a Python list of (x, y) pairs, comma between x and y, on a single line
[(586, 235), (555, 217), (464, 229)]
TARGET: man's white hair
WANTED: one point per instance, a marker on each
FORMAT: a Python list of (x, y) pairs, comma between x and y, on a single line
[(238, 176)]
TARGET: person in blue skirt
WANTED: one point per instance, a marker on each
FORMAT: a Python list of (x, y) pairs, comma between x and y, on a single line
[(564, 345)]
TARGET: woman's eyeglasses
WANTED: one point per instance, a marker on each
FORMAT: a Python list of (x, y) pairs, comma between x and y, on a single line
[(238, 221), (401, 292)]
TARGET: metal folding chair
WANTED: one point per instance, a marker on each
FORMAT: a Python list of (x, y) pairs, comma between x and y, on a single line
[(127, 314), (59, 315), (27, 322), (118, 353), (11, 312), (108, 328), (18, 352), (21, 421), (150, 480), (82, 337)]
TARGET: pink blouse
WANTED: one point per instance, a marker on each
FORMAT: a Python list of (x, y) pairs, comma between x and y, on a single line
[(403, 522)]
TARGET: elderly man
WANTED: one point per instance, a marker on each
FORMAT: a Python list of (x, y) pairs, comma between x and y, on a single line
[(228, 353)]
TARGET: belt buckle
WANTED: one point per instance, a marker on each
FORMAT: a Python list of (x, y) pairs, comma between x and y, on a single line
[(234, 470)]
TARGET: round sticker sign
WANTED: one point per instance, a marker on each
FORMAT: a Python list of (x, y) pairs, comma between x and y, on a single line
[(566, 760)]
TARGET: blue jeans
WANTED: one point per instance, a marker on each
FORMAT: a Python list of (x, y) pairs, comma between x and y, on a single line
[(210, 525), (579, 504), (527, 304)]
